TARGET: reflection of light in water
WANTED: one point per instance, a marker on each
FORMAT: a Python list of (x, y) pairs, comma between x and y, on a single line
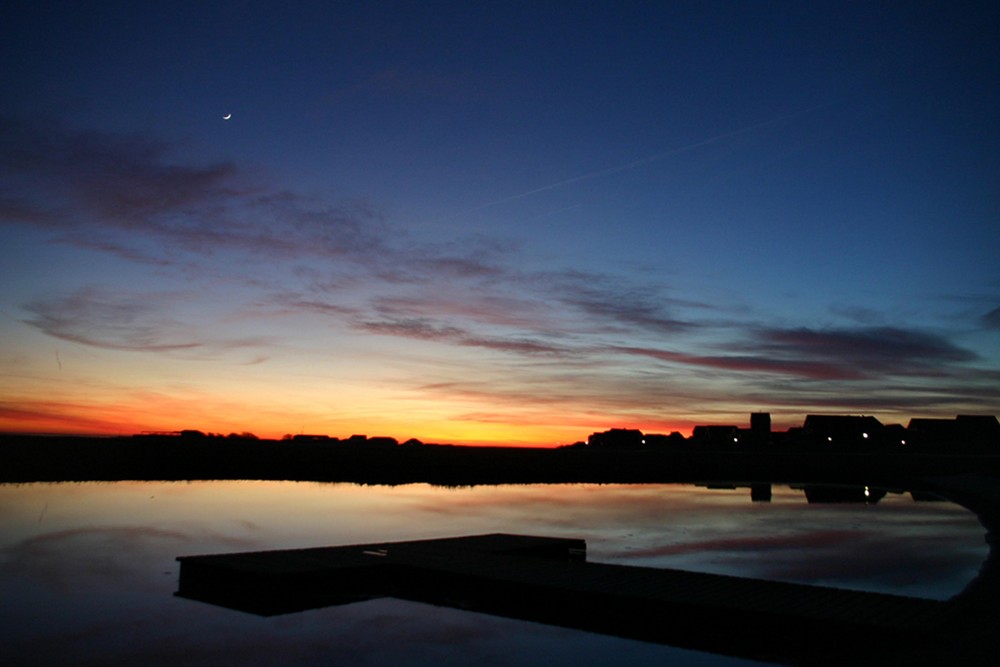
[(899, 546), (683, 526)]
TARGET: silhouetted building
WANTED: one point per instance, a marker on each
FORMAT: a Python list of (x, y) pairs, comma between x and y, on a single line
[(617, 438), (760, 429), (964, 434), (980, 428), (894, 436), (657, 440), (716, 437), (843, 432), (382, 441)]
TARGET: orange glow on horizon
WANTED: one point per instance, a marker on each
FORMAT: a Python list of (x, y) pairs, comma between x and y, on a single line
[(151, 413)]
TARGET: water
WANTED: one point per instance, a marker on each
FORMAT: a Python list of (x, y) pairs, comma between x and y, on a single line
[(87, 570)]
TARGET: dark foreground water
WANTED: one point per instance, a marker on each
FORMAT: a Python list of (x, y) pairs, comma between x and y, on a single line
[(87, 570)]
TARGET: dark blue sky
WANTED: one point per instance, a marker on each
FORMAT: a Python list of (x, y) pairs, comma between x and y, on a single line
[(497, 221)]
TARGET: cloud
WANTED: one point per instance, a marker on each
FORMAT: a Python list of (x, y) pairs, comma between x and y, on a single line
[(101, 320), (43, 557), (805, 368), (129, 196), (290, 303), (941, 397), (832, 354), (119, 179), (617, 305), (595, 342), (58, 416), (126, 194), (137, 322), (485, 308), (991, 320), (101, 554), (884, 348), (818, 539), (858, 314), (423, 329)]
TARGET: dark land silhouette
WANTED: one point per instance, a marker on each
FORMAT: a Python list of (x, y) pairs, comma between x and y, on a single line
[(843, 449)]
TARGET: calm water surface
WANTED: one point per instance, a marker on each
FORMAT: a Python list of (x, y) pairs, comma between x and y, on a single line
[(87, 570)]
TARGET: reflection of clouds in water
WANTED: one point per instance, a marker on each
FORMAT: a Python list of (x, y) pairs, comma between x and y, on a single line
[(632, 503), (874, 563), (874, 549), (898, 545), (818, 539), (63, 559), (104, 594)]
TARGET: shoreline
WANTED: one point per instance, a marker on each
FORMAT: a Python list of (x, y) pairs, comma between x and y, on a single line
[(49, 459)]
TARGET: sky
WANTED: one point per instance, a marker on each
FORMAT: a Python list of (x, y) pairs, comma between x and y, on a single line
[(496, 222)]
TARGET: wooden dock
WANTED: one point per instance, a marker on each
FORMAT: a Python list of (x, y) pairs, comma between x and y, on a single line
[(547, 580)]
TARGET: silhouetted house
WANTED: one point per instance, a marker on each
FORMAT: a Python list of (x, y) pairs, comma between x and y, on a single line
[(716, 437), (617, 438), (984, 429), (843, 432), (926, 434), (658, 440), (894, 436), (579, 444), (760, 430), (965, 434), (787, 439), (382, 441)]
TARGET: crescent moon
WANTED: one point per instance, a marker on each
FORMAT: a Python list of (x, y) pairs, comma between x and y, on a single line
[(227, 116)]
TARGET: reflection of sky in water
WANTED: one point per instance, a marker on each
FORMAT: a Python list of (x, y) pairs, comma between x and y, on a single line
[(87, 570)]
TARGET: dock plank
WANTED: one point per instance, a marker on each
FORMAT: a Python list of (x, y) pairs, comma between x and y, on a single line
[(545, 579)]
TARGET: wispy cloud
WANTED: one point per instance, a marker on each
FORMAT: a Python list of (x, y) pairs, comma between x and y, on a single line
[(138, 322), (58, 416), (884, 348), (801, 367), (619, 305), (581, 342), (427, 330), (127, 194), (991, 320), (831, 354), (483, 307)]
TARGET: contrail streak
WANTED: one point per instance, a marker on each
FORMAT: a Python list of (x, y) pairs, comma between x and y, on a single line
[(638, 163)]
